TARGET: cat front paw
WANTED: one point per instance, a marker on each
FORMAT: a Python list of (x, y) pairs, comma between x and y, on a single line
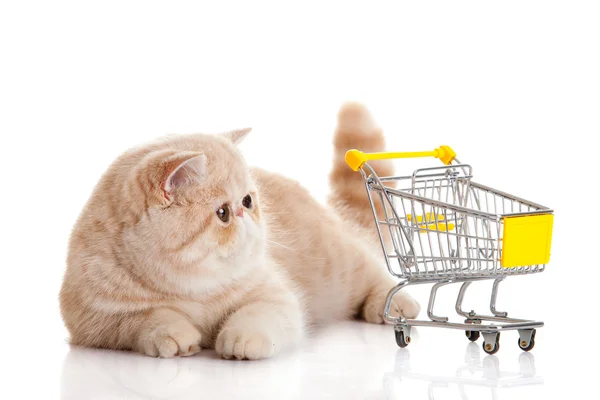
[(245, 344), (402, 304), (178, 338)]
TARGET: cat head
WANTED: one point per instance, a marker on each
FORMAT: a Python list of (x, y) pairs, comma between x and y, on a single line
[(196, 212)]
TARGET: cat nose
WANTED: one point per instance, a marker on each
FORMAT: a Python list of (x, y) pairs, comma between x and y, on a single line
[(240, 212)]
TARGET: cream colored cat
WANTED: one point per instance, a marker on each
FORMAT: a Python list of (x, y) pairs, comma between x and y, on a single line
[(182, 246)]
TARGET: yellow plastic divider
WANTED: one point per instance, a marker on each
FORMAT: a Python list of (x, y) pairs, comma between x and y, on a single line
[(428, 217), (440, 226)]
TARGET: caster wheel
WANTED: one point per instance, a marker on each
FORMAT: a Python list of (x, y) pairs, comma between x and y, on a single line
[(472, 335), (531, 343), (490, 348), (401, 340)]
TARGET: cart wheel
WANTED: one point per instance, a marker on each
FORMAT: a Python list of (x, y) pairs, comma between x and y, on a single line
[(492, 349), (472, 335), (531, 343), (401, 340)]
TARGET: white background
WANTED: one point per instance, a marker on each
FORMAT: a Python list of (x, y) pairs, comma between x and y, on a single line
[(512, 86)]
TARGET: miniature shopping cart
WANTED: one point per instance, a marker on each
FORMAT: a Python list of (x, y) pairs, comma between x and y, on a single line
[(438, 226)]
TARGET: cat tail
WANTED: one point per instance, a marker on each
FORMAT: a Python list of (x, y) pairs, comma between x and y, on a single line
[(356, 129)]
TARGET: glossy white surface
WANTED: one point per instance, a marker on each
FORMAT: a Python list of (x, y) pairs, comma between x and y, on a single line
[(348, 360)]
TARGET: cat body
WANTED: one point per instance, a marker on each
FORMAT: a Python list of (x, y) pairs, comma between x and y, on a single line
[(182, 246)]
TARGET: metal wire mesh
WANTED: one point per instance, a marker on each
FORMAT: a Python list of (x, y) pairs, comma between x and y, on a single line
[(443, 225)]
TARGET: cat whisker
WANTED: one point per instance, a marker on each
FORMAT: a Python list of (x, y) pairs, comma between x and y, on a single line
[(294, 250)]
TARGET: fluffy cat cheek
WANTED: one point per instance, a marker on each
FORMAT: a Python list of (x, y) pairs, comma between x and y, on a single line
[(255, 237), (253, 230), (248, 236), (193, 255)]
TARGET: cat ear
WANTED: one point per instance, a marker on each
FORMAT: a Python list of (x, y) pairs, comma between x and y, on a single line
[(238, 135), (183, 169)]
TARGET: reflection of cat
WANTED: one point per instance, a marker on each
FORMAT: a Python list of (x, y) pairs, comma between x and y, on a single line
[(88, 373), (181, 245), (100, 374)]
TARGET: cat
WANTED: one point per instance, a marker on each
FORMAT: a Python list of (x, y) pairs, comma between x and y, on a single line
[(182, 246)]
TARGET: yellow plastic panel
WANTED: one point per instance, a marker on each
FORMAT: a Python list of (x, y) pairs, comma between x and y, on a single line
[(527, 240)]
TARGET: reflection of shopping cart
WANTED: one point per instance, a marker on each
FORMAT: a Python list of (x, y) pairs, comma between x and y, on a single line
[(443, 228), (474, 373)]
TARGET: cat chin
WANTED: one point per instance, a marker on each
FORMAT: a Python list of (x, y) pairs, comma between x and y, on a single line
[(224, 272), (246, 260), (222, 266)]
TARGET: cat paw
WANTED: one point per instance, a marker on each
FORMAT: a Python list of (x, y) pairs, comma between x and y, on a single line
[(402, 305), (179, 338), (245, 344)]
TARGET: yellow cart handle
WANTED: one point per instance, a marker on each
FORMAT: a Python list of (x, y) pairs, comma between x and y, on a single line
[(356, 158)]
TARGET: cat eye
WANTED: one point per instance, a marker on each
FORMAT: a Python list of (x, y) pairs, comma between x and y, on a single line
[(247, 201), (224, 213)]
